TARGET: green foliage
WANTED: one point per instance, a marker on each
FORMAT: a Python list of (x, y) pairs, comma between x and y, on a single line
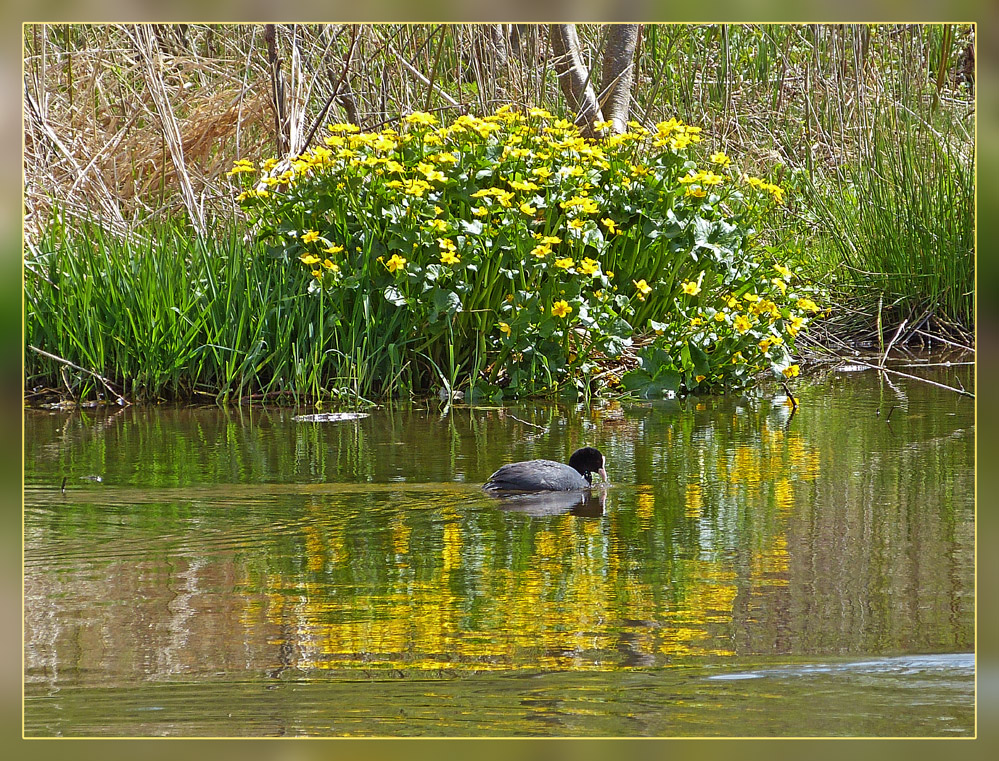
[(513, 252), (902, 220)]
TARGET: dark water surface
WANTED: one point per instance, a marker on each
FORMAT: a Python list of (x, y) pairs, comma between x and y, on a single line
[(748, 572)]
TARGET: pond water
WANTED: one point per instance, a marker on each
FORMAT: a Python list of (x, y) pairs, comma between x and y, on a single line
[(751, 570)]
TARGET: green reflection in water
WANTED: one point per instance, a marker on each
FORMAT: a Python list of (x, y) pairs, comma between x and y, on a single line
[(250, 545)]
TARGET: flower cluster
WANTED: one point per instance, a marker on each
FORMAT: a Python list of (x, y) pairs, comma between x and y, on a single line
[(514, 225)]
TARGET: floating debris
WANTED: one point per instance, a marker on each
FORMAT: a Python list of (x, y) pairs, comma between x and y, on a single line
[(329, 417)]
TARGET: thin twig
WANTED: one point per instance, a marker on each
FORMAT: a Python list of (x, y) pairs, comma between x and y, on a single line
[(891, 343), (912, 377), (101, 378), (526, 423)]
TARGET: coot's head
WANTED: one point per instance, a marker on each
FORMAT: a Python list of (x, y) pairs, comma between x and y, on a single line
[(587, 461)]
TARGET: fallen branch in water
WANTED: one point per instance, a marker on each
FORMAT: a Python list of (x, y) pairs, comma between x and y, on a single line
[(961, 390), (107, 384)]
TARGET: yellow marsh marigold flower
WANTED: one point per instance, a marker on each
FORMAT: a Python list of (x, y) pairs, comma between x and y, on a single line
[(780, 284), (576, 224), (504, 328), (310, 236), (438, 225), (695, 191), (309, 259), (720, 158), (610, 224), (541, 251), (243, 165), (395, 263), (550, 240), (564, 263), (737, 358), (691, 287), (699, 378), (561, 308), (808, 305), (542, 172), (750, 297), (589, 266), (518, 185), (792, 371), (420, 117), (795, 324), (449, 257), (783, 271), (333, 250), (332, 267), (720, 317), (480, 211), (643, 288), (526, 208), (742, 323)]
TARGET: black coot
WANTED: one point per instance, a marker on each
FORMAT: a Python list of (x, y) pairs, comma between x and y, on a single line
[(548, 475)]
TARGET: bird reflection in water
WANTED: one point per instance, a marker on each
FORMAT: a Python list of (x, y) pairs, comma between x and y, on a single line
[(586, 503)]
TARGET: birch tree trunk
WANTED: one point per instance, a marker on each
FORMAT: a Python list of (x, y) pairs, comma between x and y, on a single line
[(574, 78), (618, 74)]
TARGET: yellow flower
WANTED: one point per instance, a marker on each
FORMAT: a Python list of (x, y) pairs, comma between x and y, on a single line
[(542, 171), (438, 225), (699, 378), (643, 288), (720, 317), (696, 322), (737, 358), (480, 211), (504, 328), (333, 250), (751, 297), (420, 117), (550, 240), (783, 271), (720, 158), (310, 235), (589, 266), (526, 208), (561, 308), (808, 304), (309, 259), (780, 284), (742, 323), (446, 244), (576, 224), (765, 344), (395, 263), (331, 266), (792, 371), (610, 224), (565, 263), (795, 325), (450, 257), (695, 191), (691, 287), (541, 251), (243, 165)]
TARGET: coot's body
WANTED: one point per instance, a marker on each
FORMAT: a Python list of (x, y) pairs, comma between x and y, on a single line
[(548, 475)]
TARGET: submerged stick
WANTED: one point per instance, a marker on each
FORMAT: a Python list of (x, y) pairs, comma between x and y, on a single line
[(961, 391), (101, 378)]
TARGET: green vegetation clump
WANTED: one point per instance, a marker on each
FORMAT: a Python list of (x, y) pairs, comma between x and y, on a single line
[(509, 252)]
